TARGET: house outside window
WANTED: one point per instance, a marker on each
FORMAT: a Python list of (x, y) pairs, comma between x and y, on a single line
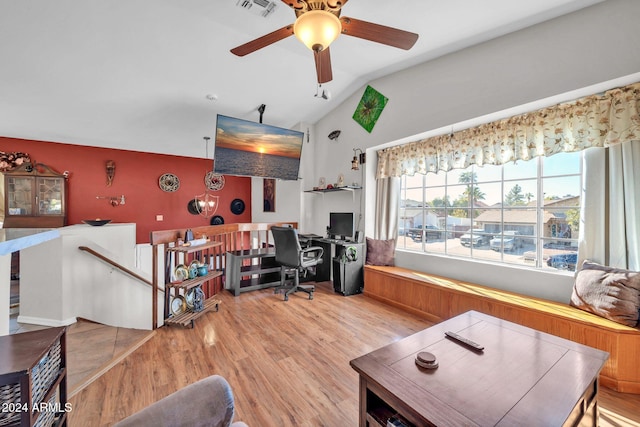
[(525, 213)]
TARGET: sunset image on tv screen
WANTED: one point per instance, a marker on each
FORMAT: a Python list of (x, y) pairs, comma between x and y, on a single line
[(248, 148)]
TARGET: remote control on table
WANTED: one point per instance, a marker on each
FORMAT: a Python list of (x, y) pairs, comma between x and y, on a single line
[(464, 340)]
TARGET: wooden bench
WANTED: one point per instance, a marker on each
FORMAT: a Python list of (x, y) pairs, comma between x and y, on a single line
[(438, 298)]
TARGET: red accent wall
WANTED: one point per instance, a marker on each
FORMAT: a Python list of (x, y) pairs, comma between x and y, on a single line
[(136, 177)]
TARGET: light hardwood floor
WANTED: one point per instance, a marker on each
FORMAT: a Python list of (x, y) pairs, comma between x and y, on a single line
[(287, 362)]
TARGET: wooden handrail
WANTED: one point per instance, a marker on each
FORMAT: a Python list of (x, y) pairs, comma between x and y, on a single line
[(115, 264)]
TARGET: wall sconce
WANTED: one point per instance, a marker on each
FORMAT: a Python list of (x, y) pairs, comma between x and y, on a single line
[(206, 204), (114, 200), (358, 159)]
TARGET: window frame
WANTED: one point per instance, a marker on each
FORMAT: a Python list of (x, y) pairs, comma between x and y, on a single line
[(541, 237)]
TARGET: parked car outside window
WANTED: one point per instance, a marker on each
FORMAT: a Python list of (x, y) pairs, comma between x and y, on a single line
[(475, 237), (563, 261), (509, 241)]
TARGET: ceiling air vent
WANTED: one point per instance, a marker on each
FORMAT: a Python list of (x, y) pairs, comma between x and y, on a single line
[(259, 7)]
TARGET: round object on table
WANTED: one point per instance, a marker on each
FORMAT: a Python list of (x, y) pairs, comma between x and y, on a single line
[(237, 206), (217, 220), (169, 182), (178, 305), (426, 360)]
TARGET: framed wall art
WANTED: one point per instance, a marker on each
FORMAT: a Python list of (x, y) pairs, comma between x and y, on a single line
[(369, 109), (269, 194)]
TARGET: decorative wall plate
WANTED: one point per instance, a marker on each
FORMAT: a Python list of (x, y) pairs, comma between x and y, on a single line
[(193, 207), (237, 206), (214, 181), (216, 220), (169, 182)]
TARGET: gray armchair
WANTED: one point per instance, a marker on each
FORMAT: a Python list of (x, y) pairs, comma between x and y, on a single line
[(208, 402), (293, 258)]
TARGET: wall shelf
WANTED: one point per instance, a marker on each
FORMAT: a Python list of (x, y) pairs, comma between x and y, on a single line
[(332, 190)]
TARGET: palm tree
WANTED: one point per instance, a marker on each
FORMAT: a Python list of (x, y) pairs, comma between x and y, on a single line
[(472, 192)]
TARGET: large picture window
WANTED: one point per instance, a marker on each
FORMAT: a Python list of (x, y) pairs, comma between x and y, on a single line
[(524, 212)]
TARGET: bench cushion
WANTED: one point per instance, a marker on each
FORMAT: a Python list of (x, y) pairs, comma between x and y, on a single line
[(608, 292)]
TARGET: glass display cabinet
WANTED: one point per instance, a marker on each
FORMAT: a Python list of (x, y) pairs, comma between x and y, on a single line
[(34, 196)]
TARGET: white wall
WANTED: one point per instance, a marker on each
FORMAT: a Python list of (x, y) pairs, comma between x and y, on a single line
[(593, 45), (5, 293), (289, 205), (59, 283)]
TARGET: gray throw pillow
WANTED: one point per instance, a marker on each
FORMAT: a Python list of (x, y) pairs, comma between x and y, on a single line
[(380, 252), (609, 292)]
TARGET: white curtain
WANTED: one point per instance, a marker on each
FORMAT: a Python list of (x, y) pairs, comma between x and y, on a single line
[(387, 200), (610, 217)]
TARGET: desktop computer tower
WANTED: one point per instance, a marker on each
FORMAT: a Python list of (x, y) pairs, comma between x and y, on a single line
[(347, 276)]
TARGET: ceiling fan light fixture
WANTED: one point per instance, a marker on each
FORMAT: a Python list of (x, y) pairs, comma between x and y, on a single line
[(317, 29)]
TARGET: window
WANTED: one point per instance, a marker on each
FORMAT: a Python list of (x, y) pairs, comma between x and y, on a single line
[(525, 213)]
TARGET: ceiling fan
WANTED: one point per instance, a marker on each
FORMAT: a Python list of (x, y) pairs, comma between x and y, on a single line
[(318, 24)]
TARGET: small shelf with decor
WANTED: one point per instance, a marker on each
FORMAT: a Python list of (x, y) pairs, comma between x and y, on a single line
[(185, 299), (334, 189)]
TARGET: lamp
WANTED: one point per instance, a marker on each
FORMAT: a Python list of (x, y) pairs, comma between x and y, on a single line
[(317, 29), (206, 204), (358, 159)]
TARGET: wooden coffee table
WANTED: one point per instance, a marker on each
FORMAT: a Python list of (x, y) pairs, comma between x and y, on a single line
[(522, 377)]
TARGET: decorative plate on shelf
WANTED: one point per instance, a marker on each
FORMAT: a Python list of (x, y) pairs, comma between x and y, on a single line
[(189, 297), (178, 305), (169, 182), (214, 181), (181, 272)]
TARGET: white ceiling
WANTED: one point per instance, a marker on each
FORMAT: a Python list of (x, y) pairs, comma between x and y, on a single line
[(135, 74)]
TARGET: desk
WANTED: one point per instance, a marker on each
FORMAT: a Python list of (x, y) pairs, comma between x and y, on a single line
[(348, 277), (523, 377), (266, 272)]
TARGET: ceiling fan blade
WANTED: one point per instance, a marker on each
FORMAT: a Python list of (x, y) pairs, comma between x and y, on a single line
[(378, 33), (323, 65), (263, 41)]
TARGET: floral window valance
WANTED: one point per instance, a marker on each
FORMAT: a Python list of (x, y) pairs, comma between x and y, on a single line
[(593, 121)]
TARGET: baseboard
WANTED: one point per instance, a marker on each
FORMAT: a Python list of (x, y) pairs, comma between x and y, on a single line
[(46, 322)]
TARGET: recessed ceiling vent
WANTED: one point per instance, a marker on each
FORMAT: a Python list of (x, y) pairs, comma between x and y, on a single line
[(263, 8)]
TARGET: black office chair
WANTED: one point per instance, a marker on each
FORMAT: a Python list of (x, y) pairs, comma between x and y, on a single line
[(293, 258)]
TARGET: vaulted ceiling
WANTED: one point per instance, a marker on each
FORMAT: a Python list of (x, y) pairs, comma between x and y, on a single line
[(151, 75)]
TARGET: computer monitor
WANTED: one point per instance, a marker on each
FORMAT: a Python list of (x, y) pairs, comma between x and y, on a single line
[(340, 225)]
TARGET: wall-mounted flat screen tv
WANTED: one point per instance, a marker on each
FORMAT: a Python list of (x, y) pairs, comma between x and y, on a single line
[(248, 148)]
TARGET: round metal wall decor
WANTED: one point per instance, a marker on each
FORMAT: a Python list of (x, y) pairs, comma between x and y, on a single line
[(214, 181), (169, 182), (216, 220), (237, 206)]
